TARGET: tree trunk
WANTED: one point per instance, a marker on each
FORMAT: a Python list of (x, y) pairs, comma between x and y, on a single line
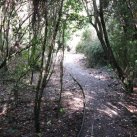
[(100, 27)]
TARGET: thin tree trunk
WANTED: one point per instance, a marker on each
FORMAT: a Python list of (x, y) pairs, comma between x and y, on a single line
[(111, 57), (45, 68), (100, 28), (61, 67)]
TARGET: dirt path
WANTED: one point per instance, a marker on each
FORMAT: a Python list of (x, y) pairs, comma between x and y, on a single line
[(109, 111)]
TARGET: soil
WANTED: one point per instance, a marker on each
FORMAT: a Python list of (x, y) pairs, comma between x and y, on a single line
[(108, 112), (18, 120)]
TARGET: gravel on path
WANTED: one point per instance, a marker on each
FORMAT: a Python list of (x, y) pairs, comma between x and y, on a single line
[(110, 112)]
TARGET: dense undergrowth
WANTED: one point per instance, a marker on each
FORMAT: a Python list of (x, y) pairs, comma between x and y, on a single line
[(92, 49)]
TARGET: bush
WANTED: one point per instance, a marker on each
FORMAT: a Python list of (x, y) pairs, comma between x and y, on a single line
[(84, 42), (95, 54), (80, 48), (92, 50)]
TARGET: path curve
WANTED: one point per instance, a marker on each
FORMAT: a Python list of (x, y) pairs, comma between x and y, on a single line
[(107, 113)]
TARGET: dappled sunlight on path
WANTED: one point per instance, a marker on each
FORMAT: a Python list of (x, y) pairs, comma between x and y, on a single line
[(109, 111)]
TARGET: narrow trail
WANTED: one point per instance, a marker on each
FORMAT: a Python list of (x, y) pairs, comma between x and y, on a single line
[(109, 111)]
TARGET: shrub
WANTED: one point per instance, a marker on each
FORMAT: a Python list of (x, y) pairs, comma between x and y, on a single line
[(95, 54), (80, 48), (92, 49), (84, 42)]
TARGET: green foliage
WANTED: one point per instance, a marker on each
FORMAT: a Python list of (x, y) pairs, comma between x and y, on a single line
[(80, 48), (61, 110), (92, 49), (123, 41), (75, 18), (124, 47), (84, 42), (95, 54), (21, 67)]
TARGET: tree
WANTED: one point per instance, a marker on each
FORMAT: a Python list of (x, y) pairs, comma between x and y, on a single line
[(95, 13), (49, 40), (107, 14)]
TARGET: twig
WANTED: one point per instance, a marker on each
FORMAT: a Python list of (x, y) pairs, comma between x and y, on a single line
[(84, 111)]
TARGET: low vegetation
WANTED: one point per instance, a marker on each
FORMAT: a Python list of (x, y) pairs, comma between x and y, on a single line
[(32, 33), (92, 49)]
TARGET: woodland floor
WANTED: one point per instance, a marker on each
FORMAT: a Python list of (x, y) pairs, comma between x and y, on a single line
[(109, 111), (18, 121)]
